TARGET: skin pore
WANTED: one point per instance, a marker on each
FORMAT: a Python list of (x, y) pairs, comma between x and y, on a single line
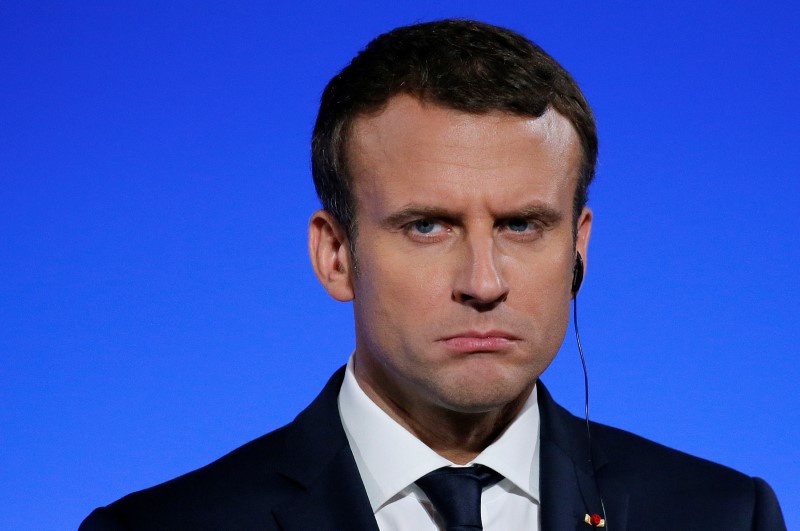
[(465, 249)]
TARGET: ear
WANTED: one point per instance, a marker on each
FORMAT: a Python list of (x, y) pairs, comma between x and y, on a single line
[(330, 255), (584, 230)]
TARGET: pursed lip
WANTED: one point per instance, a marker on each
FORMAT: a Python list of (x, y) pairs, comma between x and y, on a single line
[(475, 341)]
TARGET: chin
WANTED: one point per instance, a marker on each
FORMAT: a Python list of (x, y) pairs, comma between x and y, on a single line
[(478, 393)]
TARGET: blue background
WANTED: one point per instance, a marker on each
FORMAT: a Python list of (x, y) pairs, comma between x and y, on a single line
[(157, 308)]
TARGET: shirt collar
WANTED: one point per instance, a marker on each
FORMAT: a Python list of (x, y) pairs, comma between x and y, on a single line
[(390, 458), (515, 454)]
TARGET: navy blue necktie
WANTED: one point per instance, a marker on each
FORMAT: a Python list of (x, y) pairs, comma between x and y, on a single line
[(456, 494)]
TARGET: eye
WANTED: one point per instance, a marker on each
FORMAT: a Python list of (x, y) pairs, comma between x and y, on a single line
[(522, 229), (426, 226), (518, 225)]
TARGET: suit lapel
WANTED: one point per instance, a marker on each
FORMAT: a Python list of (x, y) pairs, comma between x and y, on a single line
[(319, 460), (335, 501), (568, 488)]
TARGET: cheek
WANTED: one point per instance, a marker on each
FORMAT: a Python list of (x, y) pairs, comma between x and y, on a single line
[(539, 293), (409, 279), (545, 278), (395, 291)]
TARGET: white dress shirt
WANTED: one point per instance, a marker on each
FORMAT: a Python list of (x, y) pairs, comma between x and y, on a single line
[(390, 459)]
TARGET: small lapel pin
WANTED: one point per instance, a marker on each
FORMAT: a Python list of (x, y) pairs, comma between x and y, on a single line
[(594, 520)]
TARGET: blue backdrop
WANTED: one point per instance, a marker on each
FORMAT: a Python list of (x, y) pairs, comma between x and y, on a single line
[(157, 308)]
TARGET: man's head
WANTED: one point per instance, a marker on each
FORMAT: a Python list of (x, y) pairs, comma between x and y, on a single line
[(456, 148), (459, 64)]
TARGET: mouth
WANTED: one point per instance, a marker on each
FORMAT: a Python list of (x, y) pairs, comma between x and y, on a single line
[(473, 341)]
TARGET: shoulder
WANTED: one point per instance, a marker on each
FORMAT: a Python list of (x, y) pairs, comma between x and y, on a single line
[(650, 482), (244, 482), (630, 456), (626, 456), (665, 481), (662, 480), (239, 490)]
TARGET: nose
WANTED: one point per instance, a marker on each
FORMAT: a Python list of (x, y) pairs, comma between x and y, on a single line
[(479, 282)]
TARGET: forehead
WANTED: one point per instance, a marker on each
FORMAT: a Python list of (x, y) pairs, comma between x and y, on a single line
[(420, 149)]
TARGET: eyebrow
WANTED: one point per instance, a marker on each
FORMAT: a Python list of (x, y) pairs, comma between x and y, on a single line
[(538, 211), (411, 212)]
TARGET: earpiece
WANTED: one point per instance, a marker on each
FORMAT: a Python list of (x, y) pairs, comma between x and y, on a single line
[(577, 274)]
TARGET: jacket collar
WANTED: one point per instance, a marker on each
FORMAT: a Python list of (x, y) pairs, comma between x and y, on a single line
[(317, 458), (568, 487)]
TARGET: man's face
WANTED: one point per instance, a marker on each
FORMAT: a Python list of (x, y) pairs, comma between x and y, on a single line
[(465, 252)]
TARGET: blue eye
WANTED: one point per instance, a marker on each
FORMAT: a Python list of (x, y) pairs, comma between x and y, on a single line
[(518, 225), (424, 226)]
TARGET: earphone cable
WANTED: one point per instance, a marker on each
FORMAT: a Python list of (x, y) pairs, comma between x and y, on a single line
[(586, 403)]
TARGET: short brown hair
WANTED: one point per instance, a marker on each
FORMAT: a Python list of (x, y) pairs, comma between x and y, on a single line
[(460, 64)]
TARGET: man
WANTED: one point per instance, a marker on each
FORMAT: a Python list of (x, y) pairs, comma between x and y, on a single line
[(452, 160)]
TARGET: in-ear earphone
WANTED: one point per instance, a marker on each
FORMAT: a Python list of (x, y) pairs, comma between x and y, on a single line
[(577, 273)]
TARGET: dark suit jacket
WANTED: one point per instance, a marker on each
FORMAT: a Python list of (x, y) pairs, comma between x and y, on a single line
[(303, 477)]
